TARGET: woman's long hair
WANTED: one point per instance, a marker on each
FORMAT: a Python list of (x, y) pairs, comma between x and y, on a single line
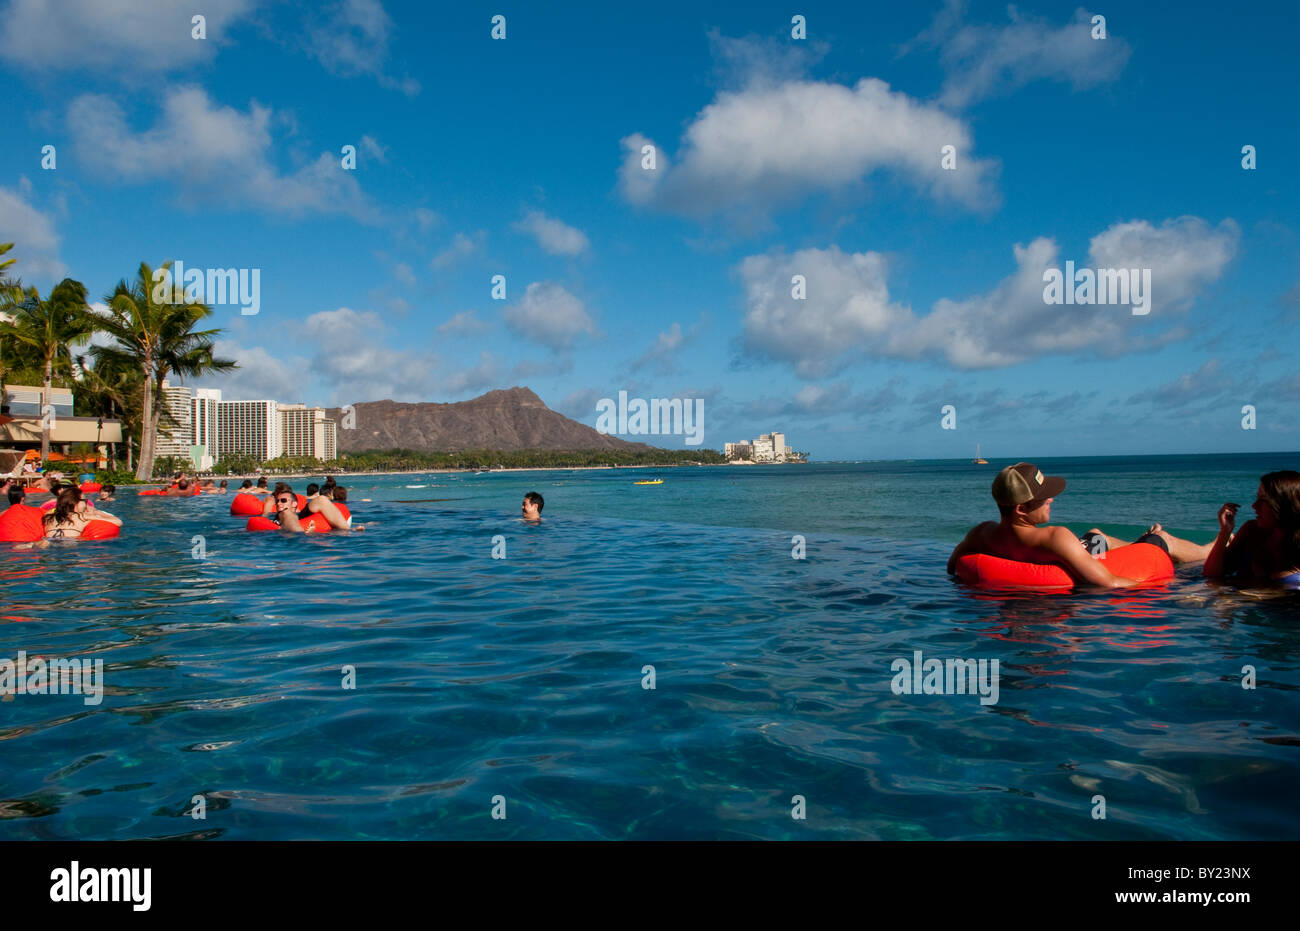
[(1282, 492), (65, 505)]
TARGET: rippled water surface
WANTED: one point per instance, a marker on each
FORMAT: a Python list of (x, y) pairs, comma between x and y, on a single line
[(523, 677)]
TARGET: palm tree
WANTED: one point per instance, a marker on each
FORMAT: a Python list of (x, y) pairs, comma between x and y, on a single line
[(12, 356), (10, 288), (112, 389), (153, 330), (45, 331)]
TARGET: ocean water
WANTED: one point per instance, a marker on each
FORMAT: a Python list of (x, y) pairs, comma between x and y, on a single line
[(519, 682)]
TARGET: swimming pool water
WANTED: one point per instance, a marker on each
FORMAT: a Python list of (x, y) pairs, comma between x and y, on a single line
[(523, 677)]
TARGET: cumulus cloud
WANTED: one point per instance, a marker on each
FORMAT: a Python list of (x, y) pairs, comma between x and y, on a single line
[(580, 404), (847, 308), (983, 61), (426, 219), (1209, 381), (848, 314), (548, 314), (262, 375), (213, 153), (465, 323), (555, 236), (771, 144), (123, 38), (818, 401), (485, 374), (351, 38), (36, 241), (663, 352), (462, 246), (371, 147), (1184, 254)]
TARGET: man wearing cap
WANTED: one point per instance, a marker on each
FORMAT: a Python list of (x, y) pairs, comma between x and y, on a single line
[(1024, 496)]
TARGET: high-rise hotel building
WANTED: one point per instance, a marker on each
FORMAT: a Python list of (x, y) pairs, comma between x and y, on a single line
[(209, 429), (174, 438), (249, 428), (308, 432), (205, 404)]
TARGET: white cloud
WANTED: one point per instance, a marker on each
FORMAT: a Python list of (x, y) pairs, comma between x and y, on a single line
[(372, 148), (580, 404), (36, 242), (847, 307), (767, 146), (664, 350), (426, 219), (261, 375), (122, 38), (213, 153), (984, 61), (349, 357), (550, 315), (465, 323), (352, 39), (344, 355), (404, 273), (848, 314), (462, 247), (1184, 255), (483, 375), (555, 236)]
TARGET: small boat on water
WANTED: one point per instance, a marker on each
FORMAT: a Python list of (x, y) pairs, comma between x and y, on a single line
[(977, 460), (653, 481)]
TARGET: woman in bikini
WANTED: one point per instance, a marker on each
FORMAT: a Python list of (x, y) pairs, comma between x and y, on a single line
[(70, 516), (1266, 549)]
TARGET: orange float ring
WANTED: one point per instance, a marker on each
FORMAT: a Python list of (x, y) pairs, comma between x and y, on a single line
[(1141, 562)]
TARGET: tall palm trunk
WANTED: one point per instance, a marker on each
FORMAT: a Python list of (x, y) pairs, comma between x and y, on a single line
[(144, 471), (46, 412)]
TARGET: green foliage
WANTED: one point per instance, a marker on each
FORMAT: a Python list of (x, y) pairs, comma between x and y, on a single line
[(410, 460), (396, 460), (154, 332), (117, 477)]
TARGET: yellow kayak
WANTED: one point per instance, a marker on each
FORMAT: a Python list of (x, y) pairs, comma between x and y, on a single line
[(657, 481)]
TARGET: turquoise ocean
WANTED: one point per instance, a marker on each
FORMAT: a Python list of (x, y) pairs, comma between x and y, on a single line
[(517, 686)]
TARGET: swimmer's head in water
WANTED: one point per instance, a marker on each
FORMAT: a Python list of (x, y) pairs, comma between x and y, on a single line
[(532, 506), (313, 489), (16, 493), (285, 498), (247, 483), (261, 482), (340, 493)]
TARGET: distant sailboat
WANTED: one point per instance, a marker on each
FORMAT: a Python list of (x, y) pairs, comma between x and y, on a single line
[(977, 460)]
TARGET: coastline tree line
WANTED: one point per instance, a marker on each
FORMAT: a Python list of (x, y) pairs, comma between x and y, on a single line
[(117, 359)]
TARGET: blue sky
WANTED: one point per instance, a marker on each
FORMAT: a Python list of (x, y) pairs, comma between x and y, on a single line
[(818, 157)]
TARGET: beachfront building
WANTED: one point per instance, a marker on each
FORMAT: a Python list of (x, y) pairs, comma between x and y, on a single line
[(25, 400), (308, 432), (175, 432), (249, 428), (768, 447), (21, 424), (205, 405)]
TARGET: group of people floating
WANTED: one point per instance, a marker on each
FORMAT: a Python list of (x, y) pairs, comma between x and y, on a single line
[(64, 515), (284, 507), (1265, 550), (68, 511)]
